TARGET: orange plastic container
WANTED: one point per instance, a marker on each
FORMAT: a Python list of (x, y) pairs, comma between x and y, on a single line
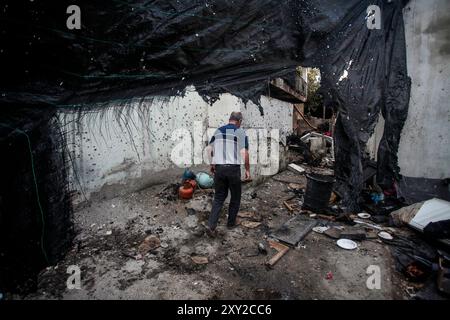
[(186, 191)]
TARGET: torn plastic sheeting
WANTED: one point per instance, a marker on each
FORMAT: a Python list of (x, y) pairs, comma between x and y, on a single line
[(131, 49)]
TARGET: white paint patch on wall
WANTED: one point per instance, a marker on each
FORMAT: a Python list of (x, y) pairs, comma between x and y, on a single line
[(425, 142), (125, 147)]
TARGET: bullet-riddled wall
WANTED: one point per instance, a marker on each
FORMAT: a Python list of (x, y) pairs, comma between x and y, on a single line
[(123, 148)]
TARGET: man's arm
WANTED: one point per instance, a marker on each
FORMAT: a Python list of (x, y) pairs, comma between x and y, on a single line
[(210, 153), (245, 155)]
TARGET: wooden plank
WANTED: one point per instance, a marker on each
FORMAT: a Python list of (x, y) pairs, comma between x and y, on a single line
[(295, 168), (281, 251), (288, 206)]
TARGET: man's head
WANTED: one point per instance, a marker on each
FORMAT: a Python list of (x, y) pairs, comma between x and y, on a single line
[(236, 118)]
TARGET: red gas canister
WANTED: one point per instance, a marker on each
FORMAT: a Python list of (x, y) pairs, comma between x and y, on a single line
[(186, 191)]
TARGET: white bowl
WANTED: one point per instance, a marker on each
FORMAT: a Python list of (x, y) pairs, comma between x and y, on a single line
[(347, 244), (364, 215), (384, 235)]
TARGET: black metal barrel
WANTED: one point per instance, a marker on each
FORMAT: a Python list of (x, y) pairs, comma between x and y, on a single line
[(318, 192)]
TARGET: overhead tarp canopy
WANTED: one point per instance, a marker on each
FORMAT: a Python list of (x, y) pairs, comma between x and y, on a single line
[(129, 48)]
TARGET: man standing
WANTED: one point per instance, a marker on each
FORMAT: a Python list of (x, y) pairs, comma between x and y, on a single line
[(228, 149)]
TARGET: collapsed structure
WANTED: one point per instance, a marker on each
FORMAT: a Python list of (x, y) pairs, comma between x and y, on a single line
[(132, 51)]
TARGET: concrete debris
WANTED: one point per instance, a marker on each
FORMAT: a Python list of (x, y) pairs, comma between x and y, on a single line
[(199, 259), (250, 224), (248, 215), (150, 243), (295, 186)]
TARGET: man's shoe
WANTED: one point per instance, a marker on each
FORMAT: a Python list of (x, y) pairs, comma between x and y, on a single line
[(210, 233), (231, 226)]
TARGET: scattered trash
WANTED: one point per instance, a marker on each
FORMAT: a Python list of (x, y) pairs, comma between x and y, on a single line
[(364, 215), (347, 244), (250, 224), (357, 234), (379, 219), (170, 192), (443, 276), (385, 235), (329, 276), (295, 186), (333, 233), (150, 243), (199, 259), (281, 251), (404, 215), (296, 168), (411, 291), (416, 271), (334, 198), (262, 248), (377, 197), (320, 229), (368, 224), (325, 217), (109, 232), (164, 245), (346, 218), (291, 210)]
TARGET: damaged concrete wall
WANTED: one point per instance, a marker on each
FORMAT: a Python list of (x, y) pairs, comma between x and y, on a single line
[(123, 148), (425, 143), (424, 150)]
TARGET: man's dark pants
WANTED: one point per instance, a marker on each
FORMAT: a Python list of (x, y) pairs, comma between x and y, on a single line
[(226, 177)]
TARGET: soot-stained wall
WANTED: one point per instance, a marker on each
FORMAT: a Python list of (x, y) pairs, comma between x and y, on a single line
[(122, 148)]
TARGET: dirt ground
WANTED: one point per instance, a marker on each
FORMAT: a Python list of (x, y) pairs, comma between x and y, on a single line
[(110, 233)]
